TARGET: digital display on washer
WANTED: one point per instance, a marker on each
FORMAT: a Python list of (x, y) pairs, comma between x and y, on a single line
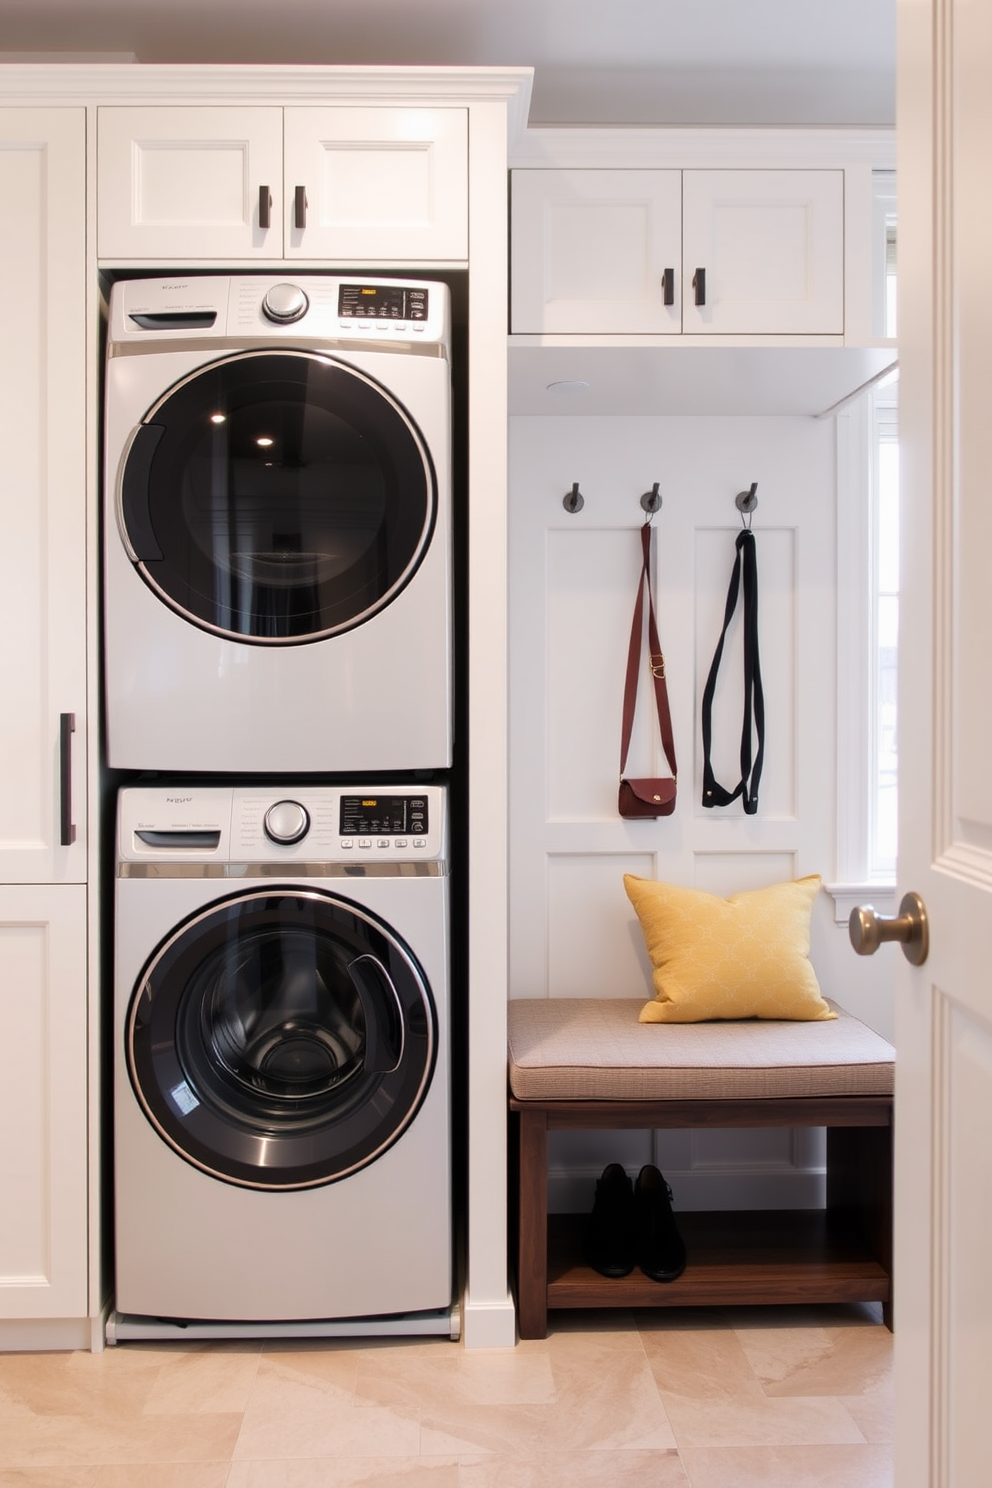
[(384, 816), (382, 302)]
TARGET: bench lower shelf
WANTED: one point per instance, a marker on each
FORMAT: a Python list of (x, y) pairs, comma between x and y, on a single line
[(734, 1258)]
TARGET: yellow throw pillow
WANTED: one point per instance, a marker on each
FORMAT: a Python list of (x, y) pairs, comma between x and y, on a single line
[(742, 957)]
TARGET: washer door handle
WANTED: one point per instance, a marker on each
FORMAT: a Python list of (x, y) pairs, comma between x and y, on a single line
[(374, 985)]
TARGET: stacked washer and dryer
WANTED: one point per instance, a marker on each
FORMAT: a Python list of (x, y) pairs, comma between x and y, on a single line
[(278, 673)]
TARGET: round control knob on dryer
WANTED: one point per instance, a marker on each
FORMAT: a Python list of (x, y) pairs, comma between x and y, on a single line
[(286, 822), (285, 303)]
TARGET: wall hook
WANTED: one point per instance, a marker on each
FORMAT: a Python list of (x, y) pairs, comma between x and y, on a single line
[(573, 501), (746, 501), (651, 501)]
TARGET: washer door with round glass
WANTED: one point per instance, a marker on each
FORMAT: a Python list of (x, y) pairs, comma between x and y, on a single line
[(277, 497), (281, 1038)]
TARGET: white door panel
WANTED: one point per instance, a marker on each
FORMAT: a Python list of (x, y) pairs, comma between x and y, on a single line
[(176, 184), (590, 250), (43, 492), (43, 1136), (772, 247), (944, 1008), (379, 183)]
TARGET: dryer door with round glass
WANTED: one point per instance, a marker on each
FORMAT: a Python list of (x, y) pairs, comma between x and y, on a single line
[(281, 1038), (277, 497)]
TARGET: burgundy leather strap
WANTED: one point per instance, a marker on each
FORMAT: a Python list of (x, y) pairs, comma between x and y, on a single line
[(656, 660)]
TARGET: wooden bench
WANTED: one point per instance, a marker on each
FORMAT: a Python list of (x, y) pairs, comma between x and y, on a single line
[(588, 1064)]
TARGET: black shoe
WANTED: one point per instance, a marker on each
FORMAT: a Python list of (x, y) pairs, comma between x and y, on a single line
[(609, 1240), (660, 1248)]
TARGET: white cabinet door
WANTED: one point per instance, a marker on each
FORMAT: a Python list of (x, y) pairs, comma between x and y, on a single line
[(376, 183), (43, 1143), (593, 251), (43, 496), (770, 244), (177, 184)]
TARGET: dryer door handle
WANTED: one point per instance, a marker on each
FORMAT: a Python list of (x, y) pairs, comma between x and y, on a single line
[(384, 1029), (135, 516)]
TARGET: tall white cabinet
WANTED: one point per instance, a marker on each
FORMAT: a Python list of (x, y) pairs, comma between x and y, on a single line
[(43, 723)]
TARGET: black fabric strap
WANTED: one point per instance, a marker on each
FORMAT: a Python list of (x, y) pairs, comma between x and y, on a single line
[(753, 726)]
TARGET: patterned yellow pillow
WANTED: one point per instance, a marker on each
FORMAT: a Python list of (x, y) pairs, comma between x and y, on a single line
[(742, 957)]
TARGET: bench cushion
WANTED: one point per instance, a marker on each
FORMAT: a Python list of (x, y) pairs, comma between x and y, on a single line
[(594, 1048)]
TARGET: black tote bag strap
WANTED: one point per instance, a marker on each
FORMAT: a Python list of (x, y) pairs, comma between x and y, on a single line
[(753, 725)]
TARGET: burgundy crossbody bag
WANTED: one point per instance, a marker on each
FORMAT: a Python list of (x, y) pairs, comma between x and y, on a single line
[(641, 797)]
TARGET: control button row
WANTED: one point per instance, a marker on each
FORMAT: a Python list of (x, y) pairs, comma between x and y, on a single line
[(347, 843)]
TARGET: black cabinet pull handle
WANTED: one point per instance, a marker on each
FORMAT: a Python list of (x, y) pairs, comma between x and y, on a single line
[(264, 208), (668, 286), (300, 207), (699, 285), (67, 830)]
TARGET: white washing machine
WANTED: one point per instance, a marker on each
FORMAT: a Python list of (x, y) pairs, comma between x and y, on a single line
[(277, 525), (282, 1069)]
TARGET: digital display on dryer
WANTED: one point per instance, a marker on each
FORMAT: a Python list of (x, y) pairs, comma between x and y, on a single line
[(384, 816), (382, 302)]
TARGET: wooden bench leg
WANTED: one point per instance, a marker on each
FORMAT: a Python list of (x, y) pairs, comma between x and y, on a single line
[(859, 1181), (532, 1232)]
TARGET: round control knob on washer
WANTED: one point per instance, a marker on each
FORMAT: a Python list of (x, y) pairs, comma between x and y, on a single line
[(286, 822), (284, 303)]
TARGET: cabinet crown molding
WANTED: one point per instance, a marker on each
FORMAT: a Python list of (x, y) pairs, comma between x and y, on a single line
[(664, 147), (144, 83)]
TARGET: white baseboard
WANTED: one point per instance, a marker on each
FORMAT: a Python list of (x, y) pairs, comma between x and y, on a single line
[(40, 1335), (488, 1325)]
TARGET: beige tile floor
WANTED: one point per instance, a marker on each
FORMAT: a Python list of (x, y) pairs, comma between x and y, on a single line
[(744, 1398)]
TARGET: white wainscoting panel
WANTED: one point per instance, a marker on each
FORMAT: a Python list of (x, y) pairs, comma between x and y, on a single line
[(594, 947), (727, 873), (572, 586)]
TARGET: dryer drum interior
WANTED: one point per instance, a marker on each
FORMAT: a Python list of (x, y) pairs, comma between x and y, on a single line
[(281, 1039), (277, 497)]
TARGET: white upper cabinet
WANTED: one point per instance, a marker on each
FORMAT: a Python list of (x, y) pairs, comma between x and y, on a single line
[(43, 497), (345, 183), (668, 252)]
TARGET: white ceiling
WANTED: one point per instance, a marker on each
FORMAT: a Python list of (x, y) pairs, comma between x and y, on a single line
[(637, 62)]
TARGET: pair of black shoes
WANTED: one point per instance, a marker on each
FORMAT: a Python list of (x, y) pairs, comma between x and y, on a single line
[(634, 1224)]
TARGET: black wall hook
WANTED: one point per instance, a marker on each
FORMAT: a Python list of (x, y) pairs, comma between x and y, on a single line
[(746, 501), (573, 501), (651, 500)]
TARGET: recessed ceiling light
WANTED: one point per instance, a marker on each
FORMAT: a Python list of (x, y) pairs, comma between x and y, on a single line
[(218, 418), (264, 442)]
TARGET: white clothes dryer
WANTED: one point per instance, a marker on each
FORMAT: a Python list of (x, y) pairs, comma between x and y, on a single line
[(277, 525), (282, 1124)]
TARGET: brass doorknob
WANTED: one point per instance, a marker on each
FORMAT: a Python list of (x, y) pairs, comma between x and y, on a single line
[(910, 928)]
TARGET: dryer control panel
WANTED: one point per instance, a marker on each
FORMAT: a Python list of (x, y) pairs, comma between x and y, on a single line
[(248, 308), (243, 827)]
